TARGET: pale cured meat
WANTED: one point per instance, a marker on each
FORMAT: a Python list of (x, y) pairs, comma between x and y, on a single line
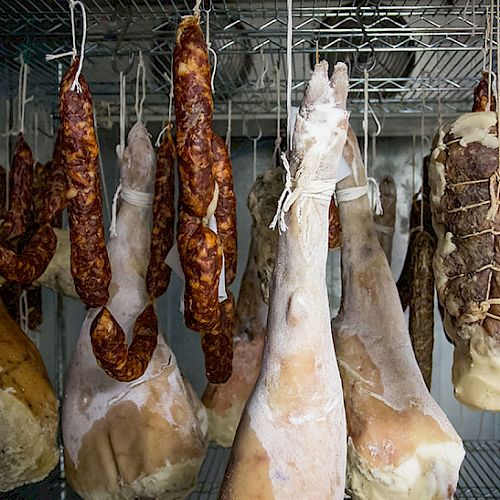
[(291, 439), (400, 444), (384, 223), (144, 439), (464, 175), (225, 402), (28, 410)]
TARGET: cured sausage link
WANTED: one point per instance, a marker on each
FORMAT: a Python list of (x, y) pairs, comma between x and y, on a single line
[(193, 113), (34, 259), (225, 213), (109, 343), (55, 198), (21, 182), (90, 265), (162, 237)]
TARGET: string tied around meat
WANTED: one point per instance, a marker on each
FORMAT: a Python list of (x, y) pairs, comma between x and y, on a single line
[(297, 187), (371, 188), (137, 198)]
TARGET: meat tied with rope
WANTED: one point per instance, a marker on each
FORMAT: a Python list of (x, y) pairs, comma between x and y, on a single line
[(464, 177)]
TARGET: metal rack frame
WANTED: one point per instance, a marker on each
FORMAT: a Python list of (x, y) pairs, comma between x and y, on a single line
[(446, 40)]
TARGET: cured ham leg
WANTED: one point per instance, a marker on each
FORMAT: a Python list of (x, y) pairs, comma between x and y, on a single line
[(146, 438), (28, 410), (291, 440), (400, 445), (225, 402)]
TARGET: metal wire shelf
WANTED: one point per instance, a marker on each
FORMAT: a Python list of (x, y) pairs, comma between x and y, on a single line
[(444, 40)]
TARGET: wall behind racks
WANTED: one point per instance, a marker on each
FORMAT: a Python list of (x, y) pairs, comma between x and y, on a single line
[(63, 317)]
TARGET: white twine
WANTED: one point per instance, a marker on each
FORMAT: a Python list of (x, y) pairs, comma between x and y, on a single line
[(24, 312), (196, 9), (229, 125), (371, 188), (139, 103), (72, 4), (289, 40), (160, 135), (171, 93), (21, 95), (297, 187), (211, 51), (260, 83), (35, 133), (365, 118), (131, 196), (123, 111)]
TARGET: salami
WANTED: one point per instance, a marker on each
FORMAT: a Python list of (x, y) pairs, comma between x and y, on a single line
[(225, 213), (193, 113), (218, 346), (384, 223), (109, 343), (201, 259), (34, 259), (464, 176), (40, 181), (90, 266), (421, 323), (162, 238), (21, 192), (55, 195)]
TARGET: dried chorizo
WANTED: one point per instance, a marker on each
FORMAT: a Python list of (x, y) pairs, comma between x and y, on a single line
[(90, 266), (34, 259), (193, 113), (334, 227), (109, 344), (218, 346), (162, 237), (225, 213), (21, 191)]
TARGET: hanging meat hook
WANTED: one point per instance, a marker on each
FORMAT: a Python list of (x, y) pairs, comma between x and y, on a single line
[(116, 55)]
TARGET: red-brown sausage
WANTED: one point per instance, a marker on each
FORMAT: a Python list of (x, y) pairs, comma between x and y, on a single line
[(90, 265)]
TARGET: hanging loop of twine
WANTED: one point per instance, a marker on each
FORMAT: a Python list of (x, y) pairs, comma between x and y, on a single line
[(72, 4), (140, 81), (24, 312), (123, 111), (371, 188), (229, 129)]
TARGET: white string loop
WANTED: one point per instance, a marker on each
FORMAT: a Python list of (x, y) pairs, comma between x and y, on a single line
[(196, 8), (123, 111), (289, 41), (160, 135), (260, 83), (299, 186), (24, 312), (139, 102), (21, 96), (72, 4)]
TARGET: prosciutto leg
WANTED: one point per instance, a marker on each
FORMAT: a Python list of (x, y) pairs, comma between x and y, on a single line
[(291, 440), (146, 438), (400, 444)]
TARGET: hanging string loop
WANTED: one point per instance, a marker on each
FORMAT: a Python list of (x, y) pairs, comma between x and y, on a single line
[(140, 82)]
